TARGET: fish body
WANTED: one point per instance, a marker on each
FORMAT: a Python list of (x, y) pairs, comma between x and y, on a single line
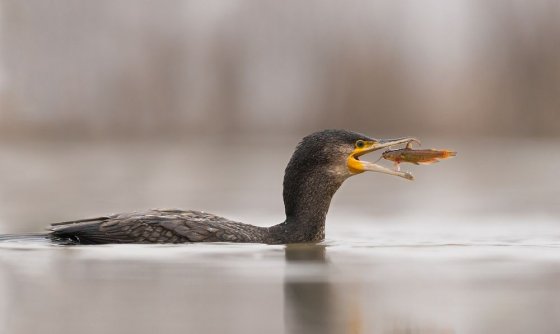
[(418, 157)]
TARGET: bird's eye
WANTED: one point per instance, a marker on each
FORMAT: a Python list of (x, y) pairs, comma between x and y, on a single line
[(360, 144)]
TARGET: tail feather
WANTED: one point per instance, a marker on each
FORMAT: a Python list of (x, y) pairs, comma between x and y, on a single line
[(80, 221)]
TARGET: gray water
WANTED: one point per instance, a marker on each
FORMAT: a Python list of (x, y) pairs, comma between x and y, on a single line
[(471, 246)]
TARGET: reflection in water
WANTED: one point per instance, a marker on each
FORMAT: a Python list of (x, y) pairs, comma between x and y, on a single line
[(310, 304), (316, 303)]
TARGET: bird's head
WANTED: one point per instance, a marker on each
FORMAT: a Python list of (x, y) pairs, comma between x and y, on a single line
[(339, 152)]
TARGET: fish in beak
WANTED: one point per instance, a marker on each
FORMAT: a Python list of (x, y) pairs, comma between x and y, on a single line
[(356, 166)]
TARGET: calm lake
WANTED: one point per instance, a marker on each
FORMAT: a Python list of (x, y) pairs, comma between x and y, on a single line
[(471, 246)]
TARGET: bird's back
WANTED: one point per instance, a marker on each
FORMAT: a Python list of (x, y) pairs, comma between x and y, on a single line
[(157, 226)]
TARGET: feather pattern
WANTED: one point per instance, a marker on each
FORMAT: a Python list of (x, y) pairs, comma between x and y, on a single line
[(157, 226)]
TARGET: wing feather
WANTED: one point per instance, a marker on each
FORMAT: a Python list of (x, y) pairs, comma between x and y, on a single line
[(156, 226)]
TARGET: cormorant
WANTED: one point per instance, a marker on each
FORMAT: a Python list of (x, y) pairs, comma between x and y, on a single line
[(320, 164)]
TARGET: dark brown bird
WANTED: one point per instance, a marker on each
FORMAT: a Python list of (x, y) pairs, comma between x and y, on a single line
[(318, 167)]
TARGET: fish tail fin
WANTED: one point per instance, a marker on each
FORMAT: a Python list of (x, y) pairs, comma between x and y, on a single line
[(448, 154)]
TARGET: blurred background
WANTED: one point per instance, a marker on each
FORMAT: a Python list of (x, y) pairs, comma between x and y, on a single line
[(112, 106), (175, 68)]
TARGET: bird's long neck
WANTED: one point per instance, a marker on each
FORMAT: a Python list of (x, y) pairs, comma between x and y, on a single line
[(307, 197)]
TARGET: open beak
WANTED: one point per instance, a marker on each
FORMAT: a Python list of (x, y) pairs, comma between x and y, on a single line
[(358, 166)]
